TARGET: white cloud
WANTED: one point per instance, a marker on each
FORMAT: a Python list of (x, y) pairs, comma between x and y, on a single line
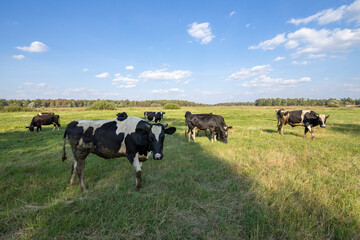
[(353, 12), (247, 25), (245, 73), (86, 70), (28, 84), (350, 12), (165, 91), (42, 85), (356, 79), (232, 13), (313, 56), (279, 59), (265, 81), (163, 75), (127, 82), (102, 75), (129, 67), (307, 41), (201, 32), (300, 63), (323, 40), (35, 46), (271, 43), (18, 57)]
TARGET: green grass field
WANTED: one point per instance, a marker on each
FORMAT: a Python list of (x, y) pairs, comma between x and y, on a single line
[(258, 186)]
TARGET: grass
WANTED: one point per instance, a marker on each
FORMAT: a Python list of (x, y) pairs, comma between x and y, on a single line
[(258, 186)]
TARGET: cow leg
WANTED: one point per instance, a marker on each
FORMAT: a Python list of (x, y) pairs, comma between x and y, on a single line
[(212, 136), (193, 134), (280, 129), (73, 174), (137, 168), (79, 166), (308, 127), (306, 130), (54, 126), (188, 133)]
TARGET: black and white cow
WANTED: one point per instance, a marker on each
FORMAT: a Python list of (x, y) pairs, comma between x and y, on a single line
[(215, 123), (153, 116), (44, 119), (130, 137), (305, 118)]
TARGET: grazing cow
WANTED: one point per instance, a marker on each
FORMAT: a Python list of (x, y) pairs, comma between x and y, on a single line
[(44, 119), (305, 118), (214, 123), (130, 137), (153, 116)]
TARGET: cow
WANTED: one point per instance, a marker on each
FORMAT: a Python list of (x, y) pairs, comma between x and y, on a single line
[(214, 123), (44, 119), (153, 116), (306, 118), (124, 136)]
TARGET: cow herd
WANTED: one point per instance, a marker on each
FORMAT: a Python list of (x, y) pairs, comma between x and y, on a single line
[(137, 139)]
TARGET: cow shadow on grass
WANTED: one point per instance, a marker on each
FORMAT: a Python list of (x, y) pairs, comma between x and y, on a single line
[(346, 128), (272, 131), (190, 194)]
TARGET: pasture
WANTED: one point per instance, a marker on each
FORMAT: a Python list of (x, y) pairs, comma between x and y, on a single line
[(259, 185)]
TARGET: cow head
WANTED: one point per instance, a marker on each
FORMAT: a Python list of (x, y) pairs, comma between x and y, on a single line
[(31, 128), (154, 136), (224, 133), (321, 118)]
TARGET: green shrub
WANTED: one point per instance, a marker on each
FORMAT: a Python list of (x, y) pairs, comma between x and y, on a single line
[(333, 104), (15, 109), (102, 105), (171, 106), (155, 105)]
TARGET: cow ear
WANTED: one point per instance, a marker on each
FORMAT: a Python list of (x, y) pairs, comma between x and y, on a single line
[(163, 112), (27, 127), (122, 116), (143, 130), (327, 116), (229, 127), (170, 130)]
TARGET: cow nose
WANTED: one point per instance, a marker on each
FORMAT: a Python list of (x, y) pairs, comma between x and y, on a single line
[(158, 156)]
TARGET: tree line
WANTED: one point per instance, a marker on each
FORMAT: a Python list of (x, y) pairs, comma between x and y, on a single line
[(64, 103), (331, 102)]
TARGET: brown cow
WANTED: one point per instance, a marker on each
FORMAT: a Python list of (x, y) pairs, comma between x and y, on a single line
[(44, 119)]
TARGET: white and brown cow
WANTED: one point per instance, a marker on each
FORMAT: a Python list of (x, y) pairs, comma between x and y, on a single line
[(130, 137), (306, 118)]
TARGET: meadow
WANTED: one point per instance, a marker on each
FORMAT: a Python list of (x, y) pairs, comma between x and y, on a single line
[(259, 185)]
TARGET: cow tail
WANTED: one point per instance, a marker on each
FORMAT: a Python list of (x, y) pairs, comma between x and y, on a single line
[(64, 142)]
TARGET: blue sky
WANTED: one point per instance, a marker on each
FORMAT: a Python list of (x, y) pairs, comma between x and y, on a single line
[(202, 51)]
